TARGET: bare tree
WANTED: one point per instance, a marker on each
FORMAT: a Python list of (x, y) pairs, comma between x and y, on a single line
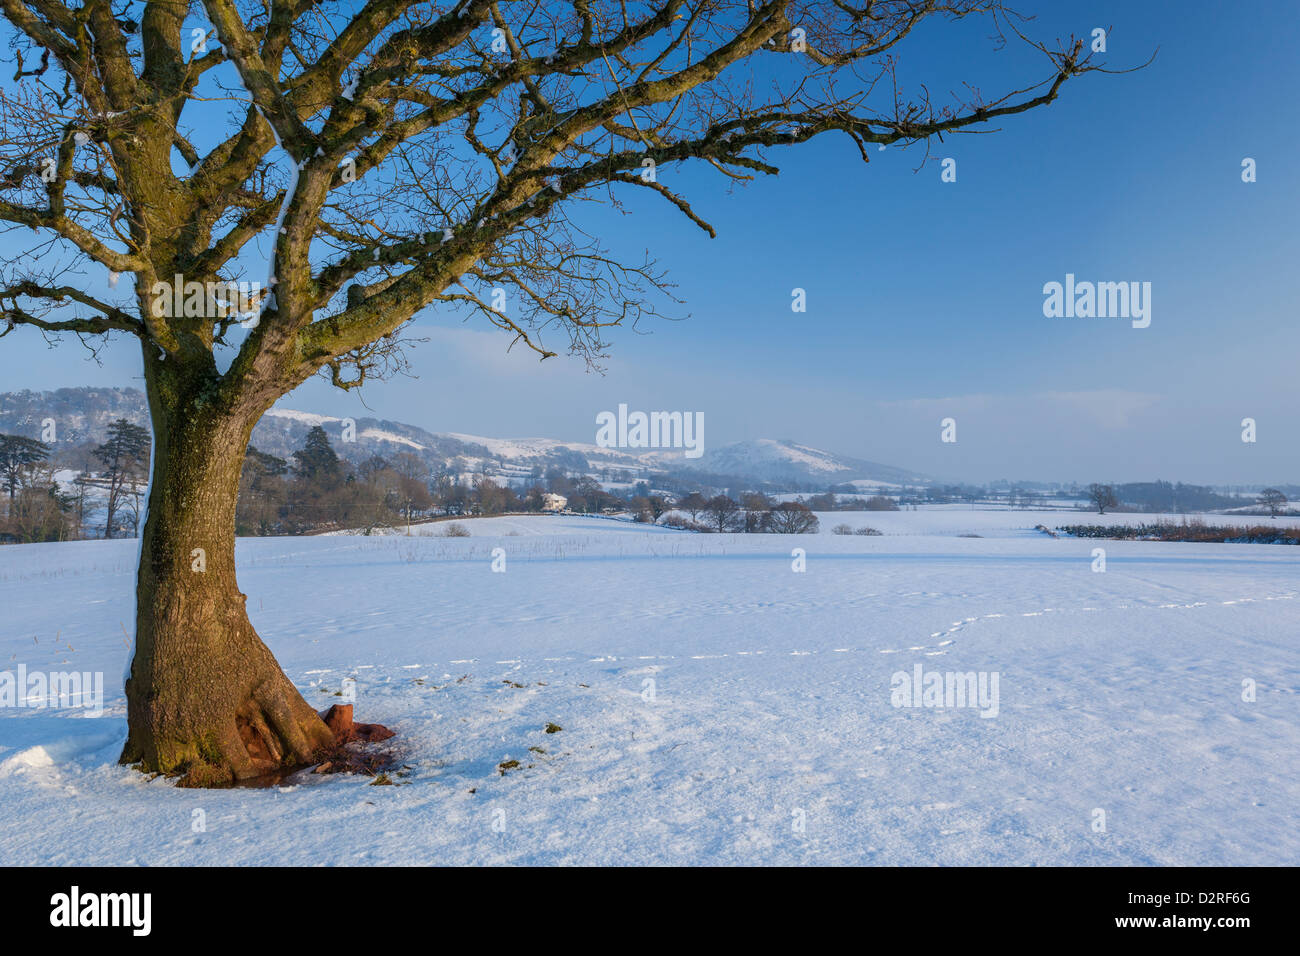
[(724, 513), (693, 504), (1273, 500), (394, 155), (756, 507), (412, 496), (40, 512), (1102, 497), (791, 517), (262, 493)]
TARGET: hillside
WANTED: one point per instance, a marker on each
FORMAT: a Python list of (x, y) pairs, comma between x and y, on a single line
[(83, 414)]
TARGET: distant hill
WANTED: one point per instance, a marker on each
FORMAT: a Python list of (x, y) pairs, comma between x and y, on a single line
[(784, 460), (83, 415), (283, 430), (80, 414)]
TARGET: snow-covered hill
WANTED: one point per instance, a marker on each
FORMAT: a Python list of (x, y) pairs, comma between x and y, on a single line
[(761, 460), (79, 414), (84, 415), (779, 460)]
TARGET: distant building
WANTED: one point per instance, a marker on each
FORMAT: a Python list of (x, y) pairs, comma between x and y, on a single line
[(552, 502)]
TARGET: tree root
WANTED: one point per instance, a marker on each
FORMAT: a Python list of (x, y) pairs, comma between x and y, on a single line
[(268, 736)]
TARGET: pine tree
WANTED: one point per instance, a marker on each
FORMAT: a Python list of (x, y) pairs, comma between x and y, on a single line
[(17, 456), (317, 461), (125, 457)]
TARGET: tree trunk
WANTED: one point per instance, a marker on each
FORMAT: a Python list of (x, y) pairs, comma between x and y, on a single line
[(205, 697), (111, 508)]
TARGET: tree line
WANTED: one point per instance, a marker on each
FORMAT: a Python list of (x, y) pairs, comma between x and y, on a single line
[(754, 513), (1162, 496), (38, 508), (319, 490)]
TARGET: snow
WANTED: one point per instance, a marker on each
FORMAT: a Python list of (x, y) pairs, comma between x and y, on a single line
[(378, 434), (870, 486), (542, 524), (306, 418), (290, 191), (528, 447), (1119, 691), (771, 450), (505, 448)]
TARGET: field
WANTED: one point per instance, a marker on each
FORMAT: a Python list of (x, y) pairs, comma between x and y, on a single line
[(715, 705)]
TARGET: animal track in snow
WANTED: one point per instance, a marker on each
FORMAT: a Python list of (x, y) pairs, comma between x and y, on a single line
[(930, 650), (935, 649)]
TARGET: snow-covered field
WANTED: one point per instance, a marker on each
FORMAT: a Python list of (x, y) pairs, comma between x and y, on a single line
[(716, 706)]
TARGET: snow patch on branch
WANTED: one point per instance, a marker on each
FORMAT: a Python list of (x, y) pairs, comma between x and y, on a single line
[(294, 169)]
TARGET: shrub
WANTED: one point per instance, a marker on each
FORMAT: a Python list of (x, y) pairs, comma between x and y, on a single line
[(681, 522), (455, 530), (1194, 530), (841, 529), (866, 530)]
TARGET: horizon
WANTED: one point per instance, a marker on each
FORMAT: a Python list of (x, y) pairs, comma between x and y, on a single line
[(830, 482)]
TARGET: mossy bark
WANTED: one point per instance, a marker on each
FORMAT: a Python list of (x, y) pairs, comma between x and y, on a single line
[(205, 697)]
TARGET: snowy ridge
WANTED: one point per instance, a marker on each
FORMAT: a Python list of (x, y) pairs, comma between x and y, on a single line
[(84, 415), (763, 460), (774, 459)]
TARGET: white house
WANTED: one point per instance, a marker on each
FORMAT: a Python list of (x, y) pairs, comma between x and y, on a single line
[(552, 502)]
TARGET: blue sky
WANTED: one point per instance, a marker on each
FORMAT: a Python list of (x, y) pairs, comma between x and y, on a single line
[(925, 298)]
